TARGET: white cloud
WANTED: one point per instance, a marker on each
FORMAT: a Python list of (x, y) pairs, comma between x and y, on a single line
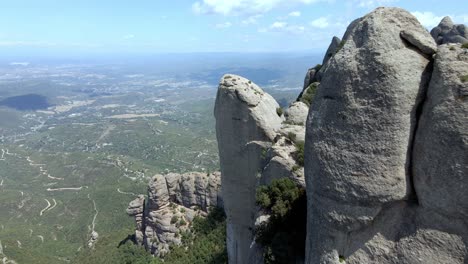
[(129, 36), (321, 22), (251, 20), (295, 14), (278, 25), (242, 7), (427, 19), (374, 3), (223, 25)]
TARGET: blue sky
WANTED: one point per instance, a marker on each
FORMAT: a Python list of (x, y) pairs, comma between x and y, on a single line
[(154, 26)]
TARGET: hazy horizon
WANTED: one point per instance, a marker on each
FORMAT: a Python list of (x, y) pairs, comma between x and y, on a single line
[(53, 28)]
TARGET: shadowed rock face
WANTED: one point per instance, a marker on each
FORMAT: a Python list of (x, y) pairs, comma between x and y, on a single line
[(385, 165), (447, 32)]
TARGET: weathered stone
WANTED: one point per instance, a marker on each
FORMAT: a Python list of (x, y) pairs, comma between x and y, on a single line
[(440, 154), (296, 113), (246, 125), (178, 197), (310, 77), (158, 194), (360, 128), (447, 32), (332, 49)]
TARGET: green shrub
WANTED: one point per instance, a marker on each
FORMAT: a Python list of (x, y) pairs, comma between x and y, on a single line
[(283, 236), (206, 243), (279, 111), (464, 78), (296, 168), (317, 67), (174, 219), (464, 46), (309, 94), (452, 48), (341, 45), (182, 222), (299, 153), (291, 136)]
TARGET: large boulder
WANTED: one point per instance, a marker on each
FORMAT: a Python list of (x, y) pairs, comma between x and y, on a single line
[(296, 113), (360, 129), (447, 32), (246, 125)]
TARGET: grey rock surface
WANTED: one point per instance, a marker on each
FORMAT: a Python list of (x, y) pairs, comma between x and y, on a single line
[(332, 49), (256, 146), (447, 32), (440, 154), (246, 125), (359, 144), (296, 113), (310, 77), (173, 202)]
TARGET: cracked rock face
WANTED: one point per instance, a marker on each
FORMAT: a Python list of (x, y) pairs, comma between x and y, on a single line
[(173, 201), (359, 140)]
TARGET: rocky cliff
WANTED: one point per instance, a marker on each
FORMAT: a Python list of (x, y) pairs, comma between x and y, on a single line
[(386, 147), (256, 145), (172, 202)]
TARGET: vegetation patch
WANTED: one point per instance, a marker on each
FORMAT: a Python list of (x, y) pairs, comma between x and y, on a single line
[(206, 243), (465, 46), (309, 94), (291, 136), (317, 67), (340, 46), (299, 153), (283, 236), (464, 78), (279, 111)]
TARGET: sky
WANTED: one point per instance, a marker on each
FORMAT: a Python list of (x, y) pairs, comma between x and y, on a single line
[(185, 26)]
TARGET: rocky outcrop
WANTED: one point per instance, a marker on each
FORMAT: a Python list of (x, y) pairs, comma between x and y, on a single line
[(246, 125), (447, 32), (136, 209), (385, 164), (173, 202), (332, 49), (256, 145), (311, 76)]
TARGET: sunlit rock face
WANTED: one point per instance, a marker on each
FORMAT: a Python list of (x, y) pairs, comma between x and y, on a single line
[(385, 138)]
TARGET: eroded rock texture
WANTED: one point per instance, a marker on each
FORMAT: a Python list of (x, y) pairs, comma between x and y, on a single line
[(173, 202), (256, 145), (447, 32), (386, 148), (246, 124)]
